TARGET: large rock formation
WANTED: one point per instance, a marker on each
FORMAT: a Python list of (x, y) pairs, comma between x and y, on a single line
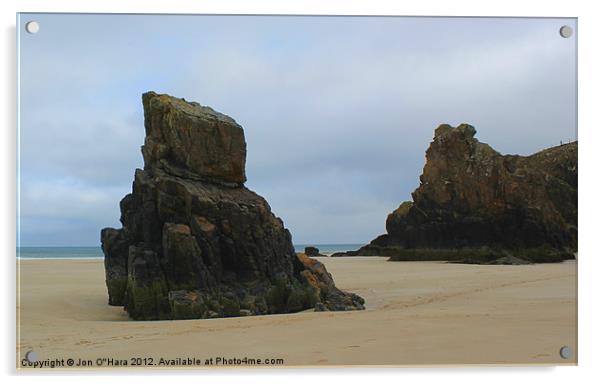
[(195, 242), (478, 205)]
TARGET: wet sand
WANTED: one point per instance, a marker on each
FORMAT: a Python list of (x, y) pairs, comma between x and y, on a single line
[(418, 313)]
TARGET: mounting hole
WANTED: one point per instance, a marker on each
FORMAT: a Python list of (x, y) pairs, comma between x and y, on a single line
[(566, 31), (32, 27), (566, 352), (31, 356)]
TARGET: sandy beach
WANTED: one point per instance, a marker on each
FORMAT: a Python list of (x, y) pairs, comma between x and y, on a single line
[(417, 313)]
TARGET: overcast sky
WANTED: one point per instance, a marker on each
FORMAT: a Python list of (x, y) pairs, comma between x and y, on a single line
[(337, 111)]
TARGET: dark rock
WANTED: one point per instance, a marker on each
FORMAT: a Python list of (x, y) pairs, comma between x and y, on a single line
[(509, 260), (505, 260), (313, 252), (195, 242), (324, 290), (345, 253), (474, 203), (115, 243)]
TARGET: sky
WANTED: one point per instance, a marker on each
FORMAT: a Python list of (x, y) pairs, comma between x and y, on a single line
[(337, 111)]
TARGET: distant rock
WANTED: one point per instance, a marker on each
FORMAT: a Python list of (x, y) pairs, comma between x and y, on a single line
[(195, 242), (505, 260), (474, 203), (347, 253), (313, 252)]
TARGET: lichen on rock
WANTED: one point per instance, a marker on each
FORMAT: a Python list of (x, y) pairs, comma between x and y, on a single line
[(195, 242)]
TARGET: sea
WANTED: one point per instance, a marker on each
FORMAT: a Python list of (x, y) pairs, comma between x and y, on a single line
[(96, 252)]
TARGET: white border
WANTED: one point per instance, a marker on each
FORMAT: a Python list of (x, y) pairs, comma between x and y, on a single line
[(590, 26)]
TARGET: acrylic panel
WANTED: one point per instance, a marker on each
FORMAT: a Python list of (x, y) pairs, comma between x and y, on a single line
[(212, 191)]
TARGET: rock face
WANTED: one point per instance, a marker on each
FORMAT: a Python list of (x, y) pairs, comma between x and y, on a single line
[(474, 203), (195, 242), (313, 252)]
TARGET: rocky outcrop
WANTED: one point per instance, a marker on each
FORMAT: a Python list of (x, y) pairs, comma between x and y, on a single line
[(476, 204), (313, 252), (195, 242), (332, 298)]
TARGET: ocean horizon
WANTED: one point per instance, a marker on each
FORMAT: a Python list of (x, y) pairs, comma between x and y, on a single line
[(95, 252)]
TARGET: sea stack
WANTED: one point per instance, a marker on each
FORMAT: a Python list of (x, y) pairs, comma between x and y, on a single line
[(312, 251), (195, 242), (475, 205)]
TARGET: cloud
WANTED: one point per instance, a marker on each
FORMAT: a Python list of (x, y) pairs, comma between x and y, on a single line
[(66, 211), (337, 111)]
